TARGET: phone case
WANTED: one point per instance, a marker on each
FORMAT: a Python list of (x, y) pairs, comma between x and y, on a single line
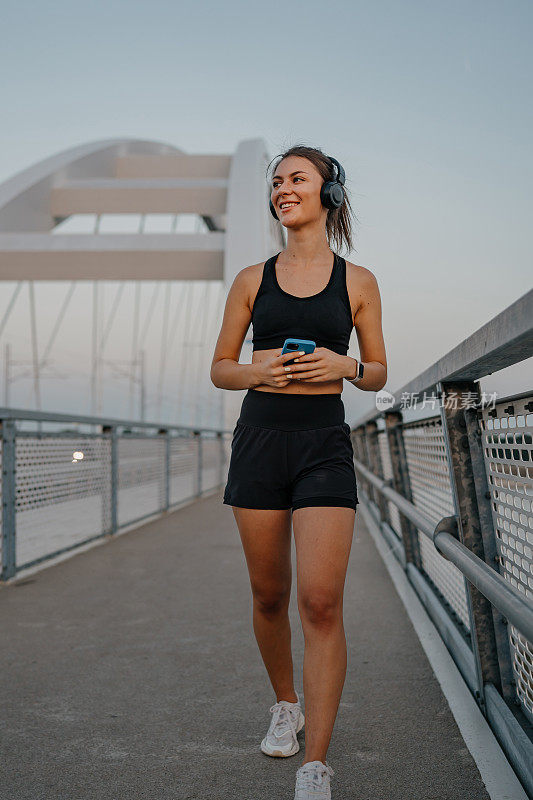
[(307, 345)]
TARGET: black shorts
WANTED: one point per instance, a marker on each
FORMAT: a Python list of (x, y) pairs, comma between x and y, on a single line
[(291, 451)]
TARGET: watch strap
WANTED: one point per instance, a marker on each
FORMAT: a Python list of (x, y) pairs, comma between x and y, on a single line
[(358, 373)]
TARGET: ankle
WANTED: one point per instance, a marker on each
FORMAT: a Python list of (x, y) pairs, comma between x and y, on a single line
[(289, 697)]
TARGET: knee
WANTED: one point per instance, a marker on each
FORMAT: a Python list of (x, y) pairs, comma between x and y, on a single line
[(270, 601), (320, 609)]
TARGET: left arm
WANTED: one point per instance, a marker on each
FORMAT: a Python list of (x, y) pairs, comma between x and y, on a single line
[(369, 332)]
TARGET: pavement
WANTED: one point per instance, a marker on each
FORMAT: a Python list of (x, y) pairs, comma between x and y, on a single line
[(131, 671)]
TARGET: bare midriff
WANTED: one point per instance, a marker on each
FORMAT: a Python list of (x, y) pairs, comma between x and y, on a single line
[(295, 386)]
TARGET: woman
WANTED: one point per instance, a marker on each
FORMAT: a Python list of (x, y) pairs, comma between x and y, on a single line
[(291, 448)]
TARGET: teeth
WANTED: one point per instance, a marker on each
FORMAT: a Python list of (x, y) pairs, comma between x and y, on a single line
[(286, 205)]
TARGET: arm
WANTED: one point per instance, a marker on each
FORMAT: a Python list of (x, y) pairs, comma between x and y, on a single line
[(369, 332), (226, 372)]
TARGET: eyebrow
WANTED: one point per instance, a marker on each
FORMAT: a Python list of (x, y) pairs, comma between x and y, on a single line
[(292, 173)]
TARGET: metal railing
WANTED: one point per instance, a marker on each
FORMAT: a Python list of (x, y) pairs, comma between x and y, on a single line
[(453, 496), (64, 488)]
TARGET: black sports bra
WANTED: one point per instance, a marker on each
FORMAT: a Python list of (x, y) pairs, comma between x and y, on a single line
[(325, 317)]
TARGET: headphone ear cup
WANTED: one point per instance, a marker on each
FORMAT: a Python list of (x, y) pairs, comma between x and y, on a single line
[(325, 194), (337, 195), (273, 210), (332, 194)]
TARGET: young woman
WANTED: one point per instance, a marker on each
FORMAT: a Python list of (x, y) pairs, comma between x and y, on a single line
[(291, 448)]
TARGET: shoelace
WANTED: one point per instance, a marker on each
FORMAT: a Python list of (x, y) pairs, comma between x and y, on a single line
[(282, 717), (313, 776)]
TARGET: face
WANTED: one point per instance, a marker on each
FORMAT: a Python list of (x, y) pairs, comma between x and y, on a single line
[(296, 182)]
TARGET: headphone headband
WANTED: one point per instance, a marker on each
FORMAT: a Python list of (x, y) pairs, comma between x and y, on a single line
[(341, 177)]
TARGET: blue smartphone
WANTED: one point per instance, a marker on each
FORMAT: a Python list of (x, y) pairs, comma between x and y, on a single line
[(295, 345)]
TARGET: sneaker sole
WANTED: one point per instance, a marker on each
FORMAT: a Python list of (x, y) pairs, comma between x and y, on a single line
[(280, 753)]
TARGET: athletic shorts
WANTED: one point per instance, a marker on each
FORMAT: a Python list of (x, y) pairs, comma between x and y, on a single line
[(289, 451)]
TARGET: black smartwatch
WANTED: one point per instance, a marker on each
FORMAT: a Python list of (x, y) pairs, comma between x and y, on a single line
[(358, 373)]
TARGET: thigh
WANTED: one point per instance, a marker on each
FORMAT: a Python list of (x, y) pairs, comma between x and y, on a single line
[(323, 537), (266, 540)]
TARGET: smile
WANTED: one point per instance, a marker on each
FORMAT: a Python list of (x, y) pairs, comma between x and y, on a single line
[(287, 206)]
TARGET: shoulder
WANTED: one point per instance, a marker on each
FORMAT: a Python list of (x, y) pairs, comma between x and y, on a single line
[(249, 278), (359, 274), (253, 270), (361, 284)]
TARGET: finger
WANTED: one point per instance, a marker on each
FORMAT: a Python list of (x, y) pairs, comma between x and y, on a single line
[(288, 368), (309, 357), (307, 374), (288, 356), (305, 367)]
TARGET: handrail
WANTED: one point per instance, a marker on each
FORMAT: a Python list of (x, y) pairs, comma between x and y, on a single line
[(504, 340), (489, 582), (445, 536), (47, 416), (487, 593)]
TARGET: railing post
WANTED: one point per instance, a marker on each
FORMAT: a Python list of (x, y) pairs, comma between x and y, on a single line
[(9, 541), (166, 468), (355, 437), (198, 437), (359, 439), (488, 534), (221, 456), (111, 431), (376, 466), (369, 431), (470, 530), (402, 484)]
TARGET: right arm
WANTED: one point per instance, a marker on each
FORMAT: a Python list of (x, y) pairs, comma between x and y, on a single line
[(226, 372)]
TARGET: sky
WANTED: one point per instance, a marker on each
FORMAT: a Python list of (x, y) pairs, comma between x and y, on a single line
[(426, 104)]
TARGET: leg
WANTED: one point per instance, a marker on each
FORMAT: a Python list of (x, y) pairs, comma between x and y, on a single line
[(323, 537), (266, 539)]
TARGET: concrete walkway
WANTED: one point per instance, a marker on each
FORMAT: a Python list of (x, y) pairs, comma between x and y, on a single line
[(131, 671)]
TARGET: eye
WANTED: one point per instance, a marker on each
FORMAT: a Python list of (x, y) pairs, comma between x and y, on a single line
[(296, 178)]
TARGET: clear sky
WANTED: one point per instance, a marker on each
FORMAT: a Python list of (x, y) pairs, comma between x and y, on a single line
[(426, 104)]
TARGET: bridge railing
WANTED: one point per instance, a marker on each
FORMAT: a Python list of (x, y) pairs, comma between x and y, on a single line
[(452, 493), (63, 487)]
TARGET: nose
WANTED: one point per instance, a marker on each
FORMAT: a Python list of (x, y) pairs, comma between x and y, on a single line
[(280, 192)]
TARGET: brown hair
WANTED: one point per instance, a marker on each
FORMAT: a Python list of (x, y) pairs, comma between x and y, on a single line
[(339, 220)]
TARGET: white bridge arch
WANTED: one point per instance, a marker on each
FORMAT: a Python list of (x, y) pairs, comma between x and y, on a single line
[(132, 176)]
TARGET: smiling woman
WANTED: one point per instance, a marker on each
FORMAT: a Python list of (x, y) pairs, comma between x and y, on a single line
[(291, 452)]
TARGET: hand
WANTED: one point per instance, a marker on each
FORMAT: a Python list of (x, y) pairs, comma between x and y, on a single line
[(320, 365), (273, 371)]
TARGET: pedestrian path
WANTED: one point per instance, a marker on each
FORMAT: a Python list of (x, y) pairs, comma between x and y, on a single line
[(131, 671)]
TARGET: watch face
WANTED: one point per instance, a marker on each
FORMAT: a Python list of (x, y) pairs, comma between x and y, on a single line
[(361, 370)]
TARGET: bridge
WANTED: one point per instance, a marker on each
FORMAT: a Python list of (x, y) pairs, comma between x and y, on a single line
[(129, 666)]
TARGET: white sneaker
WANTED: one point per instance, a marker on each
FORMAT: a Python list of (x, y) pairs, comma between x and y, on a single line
[(287, 720), (312, 781)]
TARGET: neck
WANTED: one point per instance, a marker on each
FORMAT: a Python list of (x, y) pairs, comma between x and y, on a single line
[(307, 247)]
